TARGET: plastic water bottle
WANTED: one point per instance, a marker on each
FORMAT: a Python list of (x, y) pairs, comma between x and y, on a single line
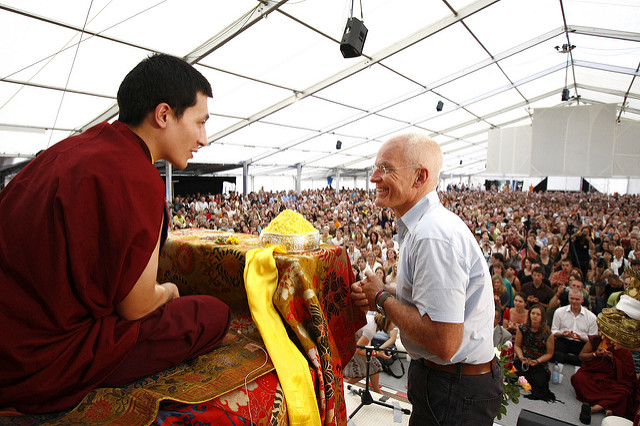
[(555, 374)]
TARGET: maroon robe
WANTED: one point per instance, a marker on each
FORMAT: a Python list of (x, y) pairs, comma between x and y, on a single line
[(607, 382), (79, 225)]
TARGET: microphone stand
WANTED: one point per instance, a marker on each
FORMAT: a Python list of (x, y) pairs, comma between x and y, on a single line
[(365, 394)]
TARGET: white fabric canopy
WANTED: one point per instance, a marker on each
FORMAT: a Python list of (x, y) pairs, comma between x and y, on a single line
[(574, 141), (283, 93)]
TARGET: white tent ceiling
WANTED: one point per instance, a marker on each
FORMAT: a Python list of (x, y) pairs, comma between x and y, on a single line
[(283, 93)]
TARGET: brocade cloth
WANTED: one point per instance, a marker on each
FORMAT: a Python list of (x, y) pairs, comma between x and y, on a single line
[(313, 298)]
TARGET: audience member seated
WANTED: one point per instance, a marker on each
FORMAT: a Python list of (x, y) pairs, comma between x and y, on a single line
[(534, 346), (618, 263), (374, 239), (545, 261), (562, 276), (362, 266), (525, 274), (514, 260), (391, 260), (500, 334), (531, 250), (337, 240), (599, 276), (498, 268), (356, 271), (388, 243), (356, 368), (372, 262), (536, 290), (516, 316), (360, 240), (499, 246), (561, 296), (572, 325), (352, 251), (510, 275), (381, 273), (325, 237), (606, 380), (500, 295), (393, 276), (376, 250), (387, 337)]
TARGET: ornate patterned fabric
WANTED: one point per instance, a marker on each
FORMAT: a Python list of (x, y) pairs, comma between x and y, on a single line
[(261, 281), (232, 364), (313, 297), (261, 403)]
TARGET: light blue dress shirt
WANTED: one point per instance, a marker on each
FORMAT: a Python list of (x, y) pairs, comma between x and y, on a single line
[(442, 272)]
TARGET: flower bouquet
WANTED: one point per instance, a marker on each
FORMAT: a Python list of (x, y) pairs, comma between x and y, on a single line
[(512, 383)]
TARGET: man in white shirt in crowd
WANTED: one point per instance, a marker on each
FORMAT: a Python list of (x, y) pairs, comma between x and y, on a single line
[(352, 251), (572, 325)]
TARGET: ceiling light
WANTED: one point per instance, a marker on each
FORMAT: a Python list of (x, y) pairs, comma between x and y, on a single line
[(566, 48)]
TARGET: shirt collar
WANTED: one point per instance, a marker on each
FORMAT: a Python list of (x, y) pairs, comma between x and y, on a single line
[(415, 213), (581, 309), (411, 218)]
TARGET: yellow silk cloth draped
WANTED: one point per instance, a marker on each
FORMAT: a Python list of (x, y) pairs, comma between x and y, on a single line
[(261, 280)]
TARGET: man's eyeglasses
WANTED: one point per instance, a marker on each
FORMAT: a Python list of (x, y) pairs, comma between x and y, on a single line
[(385, 169)]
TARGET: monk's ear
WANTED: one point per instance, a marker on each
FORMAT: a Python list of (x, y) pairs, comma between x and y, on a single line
[(161, 114)]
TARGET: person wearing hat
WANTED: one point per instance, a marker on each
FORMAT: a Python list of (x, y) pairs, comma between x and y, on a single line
[(606, 380), (621, 324)]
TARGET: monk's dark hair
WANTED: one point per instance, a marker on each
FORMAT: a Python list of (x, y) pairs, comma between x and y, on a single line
[(160, 78)]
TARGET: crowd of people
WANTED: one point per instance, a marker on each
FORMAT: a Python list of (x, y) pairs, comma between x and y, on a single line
[(591, 237), (556, 259), (552, 255)]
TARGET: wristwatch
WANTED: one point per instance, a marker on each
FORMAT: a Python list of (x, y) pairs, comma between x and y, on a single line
[(380, 302)]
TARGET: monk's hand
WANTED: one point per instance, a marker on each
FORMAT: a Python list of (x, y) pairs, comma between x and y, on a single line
[(171, 290)]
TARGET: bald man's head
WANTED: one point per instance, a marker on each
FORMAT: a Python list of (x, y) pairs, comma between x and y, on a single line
[(422, 150), (408, 167)]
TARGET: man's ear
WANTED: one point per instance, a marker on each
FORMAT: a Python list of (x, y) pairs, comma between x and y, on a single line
[(421, 179), (161, 114)]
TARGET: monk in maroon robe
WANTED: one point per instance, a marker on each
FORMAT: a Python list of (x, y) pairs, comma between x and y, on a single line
[(607, 378), (83, 226)]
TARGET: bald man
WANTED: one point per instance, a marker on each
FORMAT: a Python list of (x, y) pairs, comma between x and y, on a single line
[(444, 302)]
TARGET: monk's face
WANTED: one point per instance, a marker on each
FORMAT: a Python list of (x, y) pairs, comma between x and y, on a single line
[(185, 135)]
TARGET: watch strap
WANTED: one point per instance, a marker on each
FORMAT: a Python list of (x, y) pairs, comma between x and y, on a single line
[(380, 302)]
